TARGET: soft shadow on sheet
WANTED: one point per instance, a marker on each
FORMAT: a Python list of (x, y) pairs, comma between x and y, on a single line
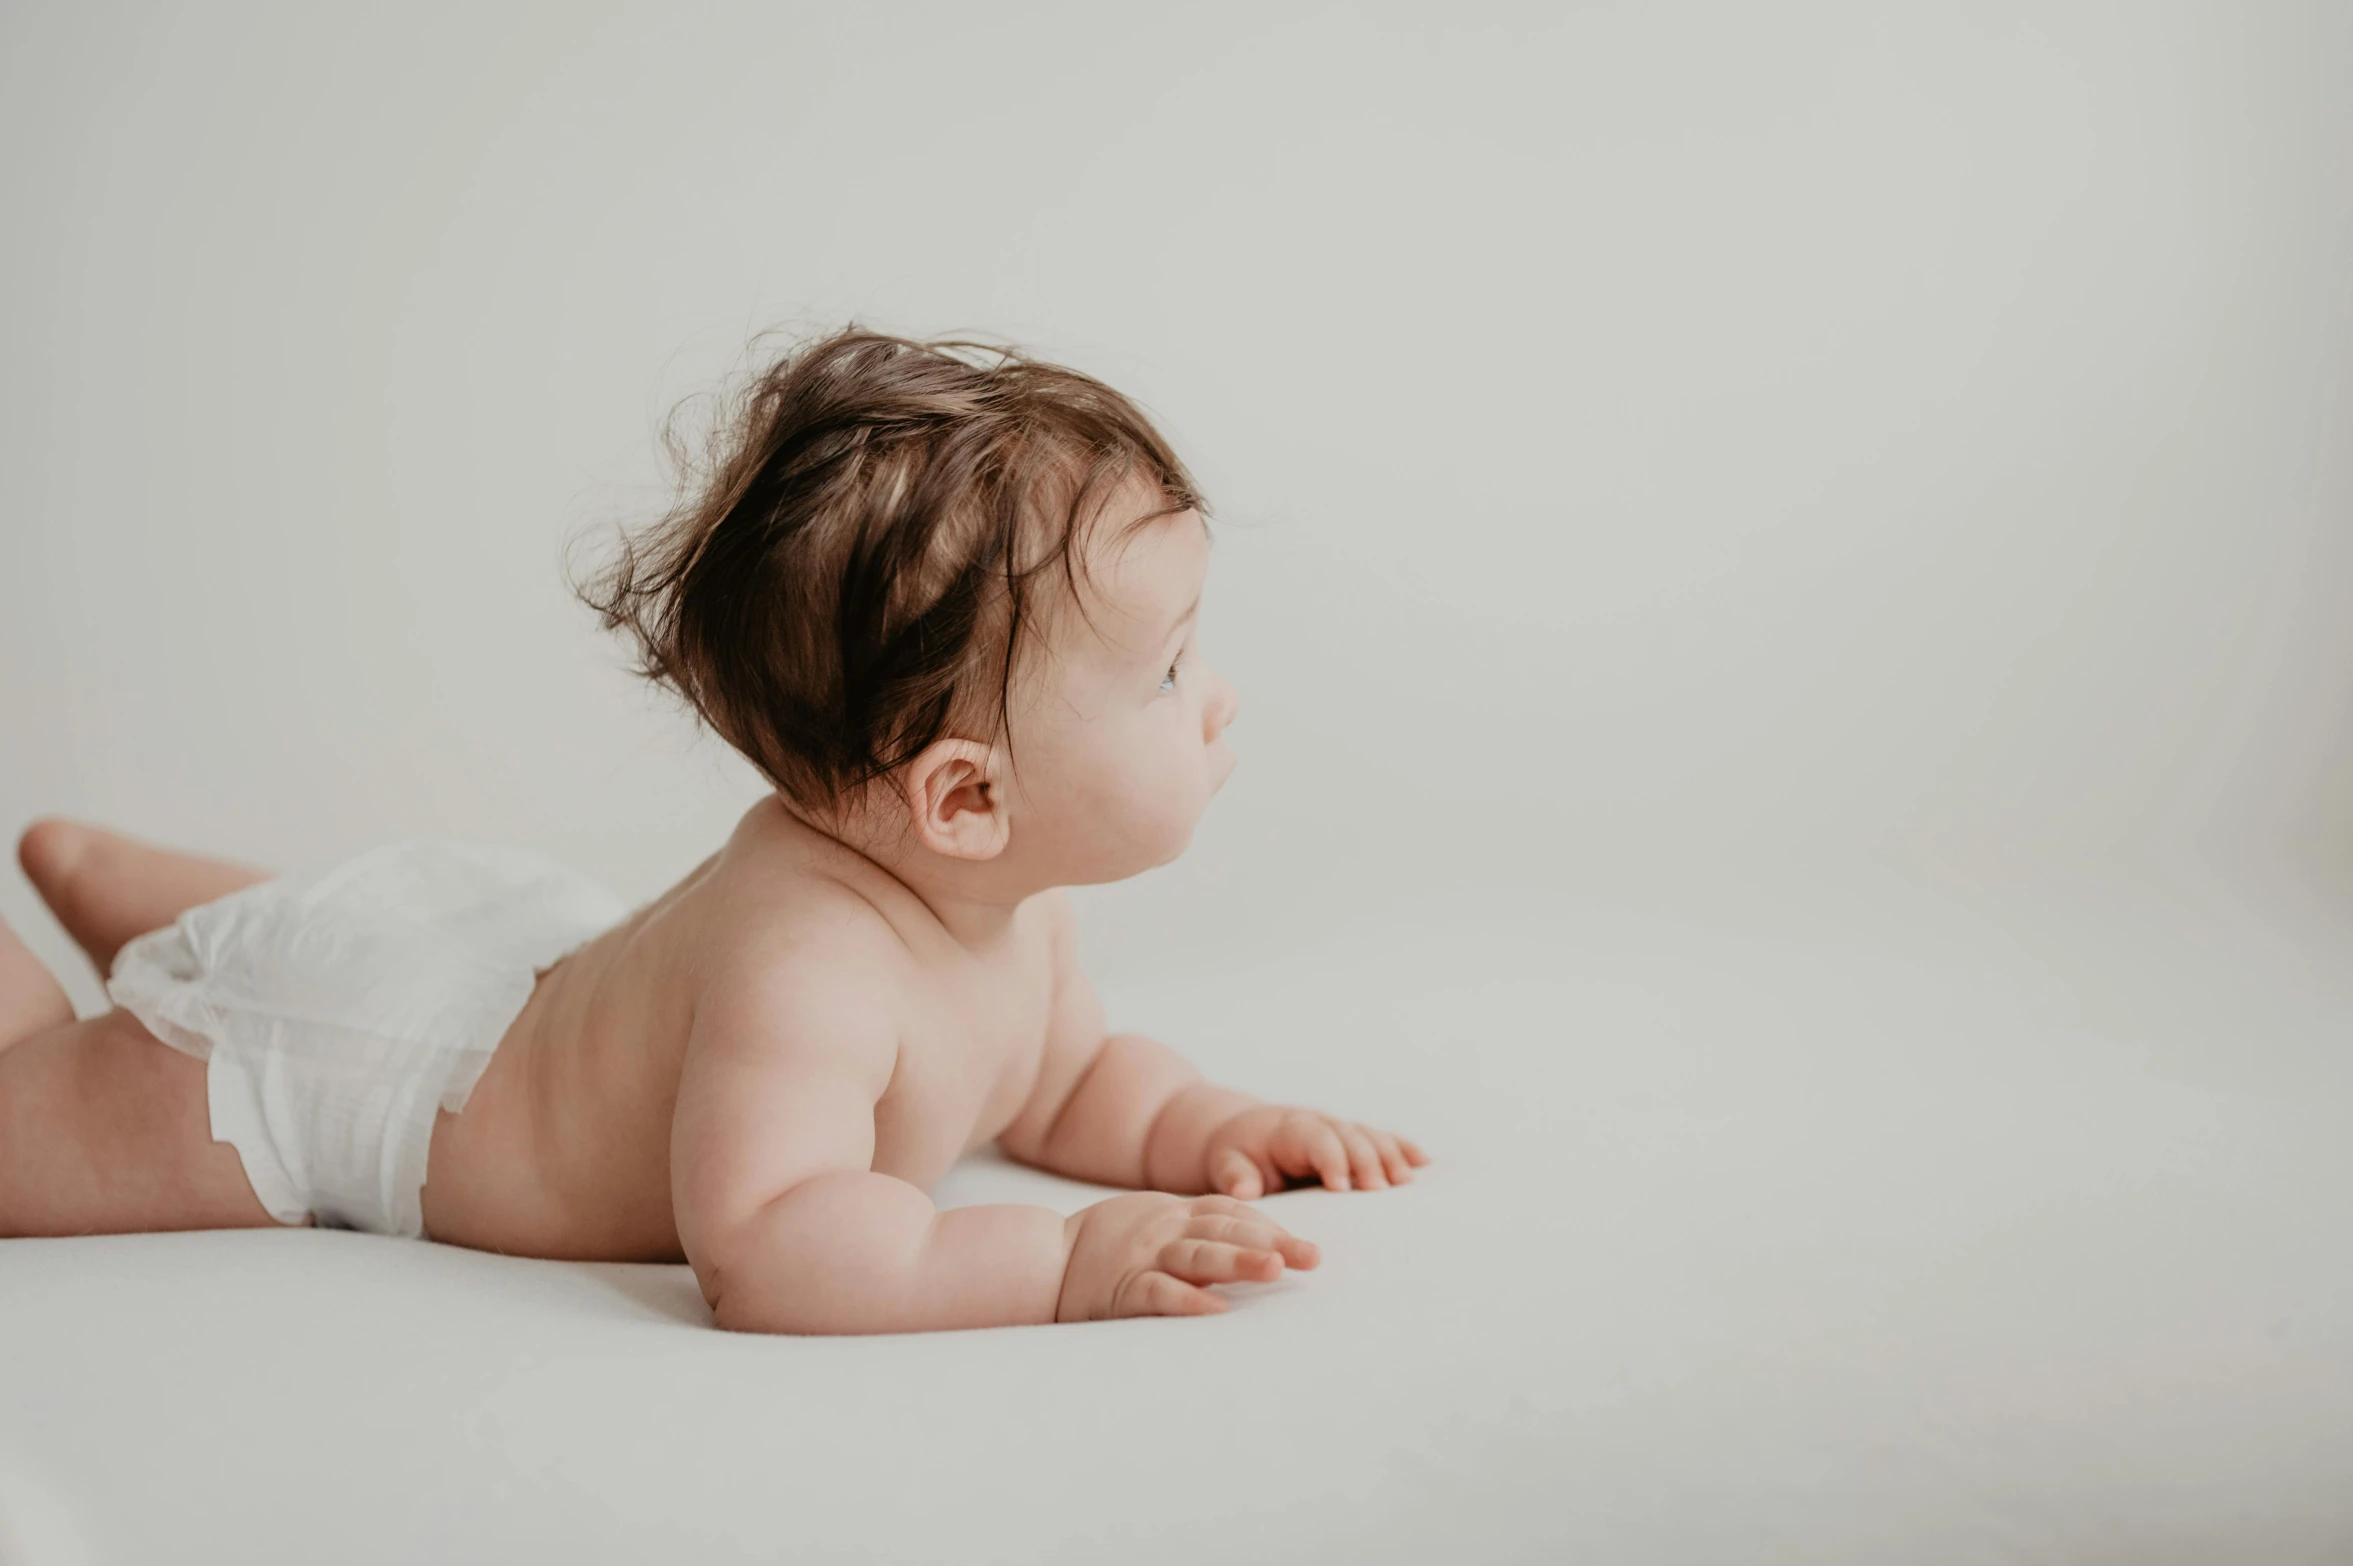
[(653, 1291)]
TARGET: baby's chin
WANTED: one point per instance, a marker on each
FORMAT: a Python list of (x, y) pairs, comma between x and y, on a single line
[(1137, 853), (1173, 847)]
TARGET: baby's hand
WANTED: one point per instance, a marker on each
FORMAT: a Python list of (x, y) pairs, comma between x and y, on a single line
[(1254, 1153), (1152, 1255)]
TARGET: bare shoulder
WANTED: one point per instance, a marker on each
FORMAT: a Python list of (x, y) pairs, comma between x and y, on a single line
[(794, 1039), (799, 961)]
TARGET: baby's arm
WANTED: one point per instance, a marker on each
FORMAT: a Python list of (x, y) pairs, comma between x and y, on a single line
[(790, 1229), (780, 1211), (1127, 1110)]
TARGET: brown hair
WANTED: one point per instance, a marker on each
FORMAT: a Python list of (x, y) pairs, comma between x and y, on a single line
[(855, 565)]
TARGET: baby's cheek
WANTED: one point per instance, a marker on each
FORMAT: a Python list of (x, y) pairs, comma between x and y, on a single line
[(1113, 822), (1145, 796), (1179, 795)]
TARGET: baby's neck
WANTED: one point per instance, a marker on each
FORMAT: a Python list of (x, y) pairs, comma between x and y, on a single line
[(976, 917), (973, 903)]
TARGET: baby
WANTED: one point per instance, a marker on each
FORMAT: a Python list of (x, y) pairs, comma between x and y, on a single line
[(945, 600)]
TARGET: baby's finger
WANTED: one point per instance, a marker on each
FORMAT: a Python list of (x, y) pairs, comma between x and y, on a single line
[(1235, 1173), (1235, 1229), (1413, 1153), (1158, 1294), (1364, 1159), (1257, 1236), (1213, 1261), (1222, 1206), (1392, 1157), (1306, 1145), (1329, 1155)]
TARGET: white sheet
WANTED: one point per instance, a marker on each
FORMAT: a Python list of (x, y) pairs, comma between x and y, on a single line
[(1979, 1231)]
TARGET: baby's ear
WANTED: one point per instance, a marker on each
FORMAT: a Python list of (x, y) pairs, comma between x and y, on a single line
[(952, 800)]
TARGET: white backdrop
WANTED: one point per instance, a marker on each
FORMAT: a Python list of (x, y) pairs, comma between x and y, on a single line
[(1791, 575), (1655, 437)]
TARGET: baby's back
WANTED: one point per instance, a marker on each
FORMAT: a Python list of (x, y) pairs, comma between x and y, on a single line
[(564, 1148)]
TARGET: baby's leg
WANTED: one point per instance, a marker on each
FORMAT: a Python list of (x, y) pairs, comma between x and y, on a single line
[(104, 1129), (30, 998), (106, 888)]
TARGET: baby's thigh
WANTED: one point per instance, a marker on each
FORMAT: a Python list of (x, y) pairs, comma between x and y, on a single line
[(104, 1129)]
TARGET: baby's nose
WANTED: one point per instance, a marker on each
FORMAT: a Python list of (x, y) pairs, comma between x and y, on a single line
[(1223, 704)]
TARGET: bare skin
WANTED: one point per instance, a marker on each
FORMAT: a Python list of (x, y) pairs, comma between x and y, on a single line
[(763, 1071)]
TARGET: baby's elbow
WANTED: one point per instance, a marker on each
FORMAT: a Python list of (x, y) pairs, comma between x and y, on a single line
[(811, 1310), (830, 1256), (755, 1282), (727, 1302), (740, 1312), (734, 1268), (745, 1303)]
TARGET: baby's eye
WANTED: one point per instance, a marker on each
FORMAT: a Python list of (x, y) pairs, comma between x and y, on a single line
[(1168, 680)]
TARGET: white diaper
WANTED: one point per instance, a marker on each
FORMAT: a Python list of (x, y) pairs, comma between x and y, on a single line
[(339, 1011)]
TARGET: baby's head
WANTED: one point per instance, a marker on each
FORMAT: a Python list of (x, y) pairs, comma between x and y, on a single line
[(944, 595)]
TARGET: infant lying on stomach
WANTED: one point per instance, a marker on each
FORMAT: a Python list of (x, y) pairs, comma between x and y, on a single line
[(945, 601)]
